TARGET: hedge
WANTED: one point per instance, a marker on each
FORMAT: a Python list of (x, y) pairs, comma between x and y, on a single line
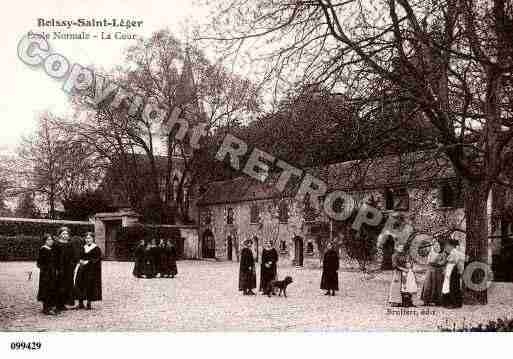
[(15, 227), (20, 239), (499, 325)]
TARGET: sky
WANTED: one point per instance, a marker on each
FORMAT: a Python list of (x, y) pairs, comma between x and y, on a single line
[(27, 92)]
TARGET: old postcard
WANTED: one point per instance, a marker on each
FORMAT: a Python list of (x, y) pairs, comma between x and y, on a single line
[(256, 166)]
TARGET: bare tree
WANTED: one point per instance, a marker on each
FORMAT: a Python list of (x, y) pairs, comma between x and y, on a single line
[(50, 165), (5, 182), (451, 59), (204, 92), (173, 75)]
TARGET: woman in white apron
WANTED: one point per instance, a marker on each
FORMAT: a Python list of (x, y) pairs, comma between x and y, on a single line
[(399, 259), (434, 278)]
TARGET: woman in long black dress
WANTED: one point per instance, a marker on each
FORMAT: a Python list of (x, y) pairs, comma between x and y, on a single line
[(47, 275), (139, 260), (247, 276), (65, 265), (452, 292), (330, 266), (268, 266), (160, 254), (88, 282), (155, 253), (149, 260), (170, 258)]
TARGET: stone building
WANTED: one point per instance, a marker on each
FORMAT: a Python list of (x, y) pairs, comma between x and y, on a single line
[(420, 186)]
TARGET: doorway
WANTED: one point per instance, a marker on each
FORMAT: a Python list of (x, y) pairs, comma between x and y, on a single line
[(298, 251), (229, 248), (111, 244), (388, 251), (208, 244)]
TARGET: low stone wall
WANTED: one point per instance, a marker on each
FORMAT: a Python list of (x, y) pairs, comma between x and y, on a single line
[(21, 238), (191, 242)]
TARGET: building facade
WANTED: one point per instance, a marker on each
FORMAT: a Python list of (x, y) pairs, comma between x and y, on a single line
[(421, 188)]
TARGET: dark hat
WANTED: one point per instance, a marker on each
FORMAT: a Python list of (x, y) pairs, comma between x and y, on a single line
[(453, 242), (247, 242)]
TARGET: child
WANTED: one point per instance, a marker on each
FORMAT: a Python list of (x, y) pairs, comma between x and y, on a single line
[(409, 285), (48, 277)]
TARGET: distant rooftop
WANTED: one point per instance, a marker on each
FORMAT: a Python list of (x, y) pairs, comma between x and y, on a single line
[(356, 175)]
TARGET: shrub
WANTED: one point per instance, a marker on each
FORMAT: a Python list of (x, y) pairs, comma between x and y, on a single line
[(499, 325), (21, 240), (16, 228)]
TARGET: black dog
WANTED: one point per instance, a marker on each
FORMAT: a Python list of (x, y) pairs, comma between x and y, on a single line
[(279, 284)]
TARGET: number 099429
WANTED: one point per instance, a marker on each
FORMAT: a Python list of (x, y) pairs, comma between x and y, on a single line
[(25, 345)]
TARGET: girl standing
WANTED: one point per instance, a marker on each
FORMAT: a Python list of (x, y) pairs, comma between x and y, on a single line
[(88, 277), (139, 260), (47, 275), (452, 293), (330, 266), (395, 298), (409, 285), (432, 286), (172, 270), (268, 268)]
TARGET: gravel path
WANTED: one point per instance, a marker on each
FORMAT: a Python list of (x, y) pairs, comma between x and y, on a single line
[(204, 297)]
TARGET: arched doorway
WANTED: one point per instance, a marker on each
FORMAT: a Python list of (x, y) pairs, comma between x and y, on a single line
[(208, 244), (298, 251), (229, 248)]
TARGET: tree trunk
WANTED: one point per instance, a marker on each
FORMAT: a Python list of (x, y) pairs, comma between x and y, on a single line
[(476, 196), (52, 202)]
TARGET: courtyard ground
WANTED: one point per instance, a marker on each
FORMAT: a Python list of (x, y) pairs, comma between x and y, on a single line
[(204, 297)]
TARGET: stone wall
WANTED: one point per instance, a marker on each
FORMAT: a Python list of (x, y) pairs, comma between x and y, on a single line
[(424, 212), (190, 244)]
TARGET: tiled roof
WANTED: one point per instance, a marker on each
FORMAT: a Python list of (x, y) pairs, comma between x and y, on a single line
[(393, 170), (387, 171)]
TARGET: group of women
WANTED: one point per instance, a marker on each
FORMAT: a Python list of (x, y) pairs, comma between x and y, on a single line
[(247, 272), (268, 269), (442, 283), (155, 259), (70, 271)]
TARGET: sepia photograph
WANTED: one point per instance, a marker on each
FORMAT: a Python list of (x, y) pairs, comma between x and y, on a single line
[(265, 166)]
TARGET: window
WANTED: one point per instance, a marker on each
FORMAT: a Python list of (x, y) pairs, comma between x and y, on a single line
[(283, 246), (175, 185), (283, 210), (207, 219), (401, 200), (229, 217), (254, 214), (450, 196), (309, 247), (310, 214), (446, 196), (397, 199), (389, 200), (162, 190)]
